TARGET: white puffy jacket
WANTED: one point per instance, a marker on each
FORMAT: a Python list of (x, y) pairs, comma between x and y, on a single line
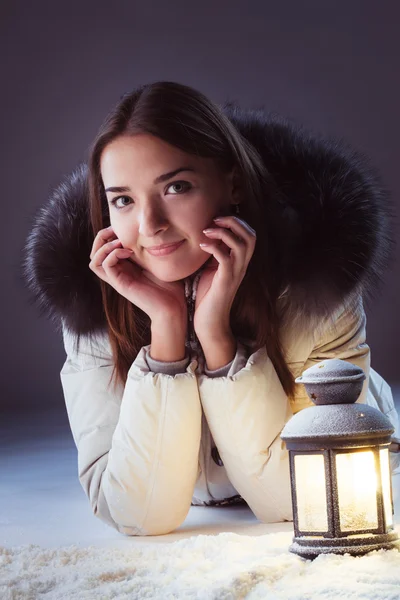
[(178, 434)]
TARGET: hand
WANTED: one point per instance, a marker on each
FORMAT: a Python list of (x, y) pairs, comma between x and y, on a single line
[(221, 279), (109, 261)]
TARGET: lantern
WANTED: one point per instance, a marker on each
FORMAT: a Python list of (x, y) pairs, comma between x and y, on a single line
[(339, 466)]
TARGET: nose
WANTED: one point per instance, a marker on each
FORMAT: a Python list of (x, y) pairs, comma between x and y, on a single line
[(152, 220)]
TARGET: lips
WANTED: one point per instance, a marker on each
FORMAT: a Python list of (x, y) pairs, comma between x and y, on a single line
[(162, 246), (165, 249)]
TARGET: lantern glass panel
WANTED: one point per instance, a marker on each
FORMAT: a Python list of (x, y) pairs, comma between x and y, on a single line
[(357, 485), (386, 489), (311, 492)]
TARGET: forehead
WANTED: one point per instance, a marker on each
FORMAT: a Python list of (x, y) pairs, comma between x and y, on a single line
[(145, 155)]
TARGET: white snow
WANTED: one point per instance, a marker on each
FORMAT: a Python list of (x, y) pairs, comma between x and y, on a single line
[(225, 566)]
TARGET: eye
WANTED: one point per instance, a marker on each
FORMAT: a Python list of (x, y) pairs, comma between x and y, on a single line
[(114, 202), (185, 184)]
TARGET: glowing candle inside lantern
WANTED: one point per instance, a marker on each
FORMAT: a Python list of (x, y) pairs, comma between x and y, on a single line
[(357, 485)]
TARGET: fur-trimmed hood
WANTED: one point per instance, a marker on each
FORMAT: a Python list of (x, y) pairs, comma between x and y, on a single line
[(336, 228)]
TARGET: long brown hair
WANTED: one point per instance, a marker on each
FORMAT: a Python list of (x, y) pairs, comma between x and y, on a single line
[(188, 120)]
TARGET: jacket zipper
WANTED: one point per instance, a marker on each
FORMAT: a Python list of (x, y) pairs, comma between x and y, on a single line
[(190, 293), (190, 319)]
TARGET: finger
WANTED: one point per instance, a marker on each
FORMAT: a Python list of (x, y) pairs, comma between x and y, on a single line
[(105, 234), (103, 270), (238, 226), (103, 251), (100, 240), (115, 256), (230, 239), (102, 237), (242, 249), (224, 259)]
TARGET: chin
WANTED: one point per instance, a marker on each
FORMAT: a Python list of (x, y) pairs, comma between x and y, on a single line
[(177, 272)]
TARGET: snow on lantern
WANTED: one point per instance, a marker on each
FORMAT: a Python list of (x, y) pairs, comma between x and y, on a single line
[(339, 466)]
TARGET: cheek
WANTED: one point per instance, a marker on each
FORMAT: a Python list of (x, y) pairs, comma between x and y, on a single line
[(215, 203), (202, 213), (126, 236)]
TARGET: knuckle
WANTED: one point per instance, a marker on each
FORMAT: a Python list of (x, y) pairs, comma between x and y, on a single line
[(102, 234), (109, 258)]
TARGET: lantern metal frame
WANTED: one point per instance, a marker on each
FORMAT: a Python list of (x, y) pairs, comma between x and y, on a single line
[(310, 544), (367, 429)]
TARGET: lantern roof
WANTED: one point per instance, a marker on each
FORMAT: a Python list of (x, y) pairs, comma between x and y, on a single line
[(337, 422), (332, 370), (334, 386)]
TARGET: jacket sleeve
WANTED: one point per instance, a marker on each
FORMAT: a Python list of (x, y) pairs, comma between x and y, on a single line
[(344, 337), (137, 446), (168, 368), (247, 410)]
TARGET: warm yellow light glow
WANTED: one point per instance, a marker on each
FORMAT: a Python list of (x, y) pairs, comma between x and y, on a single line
[(386, 490), (357, 485), (311, 492)]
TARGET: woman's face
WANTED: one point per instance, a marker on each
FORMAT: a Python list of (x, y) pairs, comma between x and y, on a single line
[(150, 212)]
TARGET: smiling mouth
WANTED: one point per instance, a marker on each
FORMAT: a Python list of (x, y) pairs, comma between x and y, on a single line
[(166, 250)]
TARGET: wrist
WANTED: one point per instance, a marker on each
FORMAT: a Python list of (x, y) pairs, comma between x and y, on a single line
[(219, 351), (168, 340), (167, 349), (221, 337), (169, 322)]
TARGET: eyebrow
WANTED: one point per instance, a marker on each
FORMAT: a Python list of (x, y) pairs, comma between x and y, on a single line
[(157, 180)]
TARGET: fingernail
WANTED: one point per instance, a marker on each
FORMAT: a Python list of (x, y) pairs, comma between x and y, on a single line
[(249, 227)]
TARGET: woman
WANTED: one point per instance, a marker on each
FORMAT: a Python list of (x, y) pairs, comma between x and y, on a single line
[(203, 342)]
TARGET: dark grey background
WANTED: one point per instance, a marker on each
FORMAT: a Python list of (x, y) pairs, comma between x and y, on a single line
[(332, 65)]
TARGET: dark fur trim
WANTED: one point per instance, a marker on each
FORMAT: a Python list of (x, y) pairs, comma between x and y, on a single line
[(56, 259), (335, 232), (337, 219)]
